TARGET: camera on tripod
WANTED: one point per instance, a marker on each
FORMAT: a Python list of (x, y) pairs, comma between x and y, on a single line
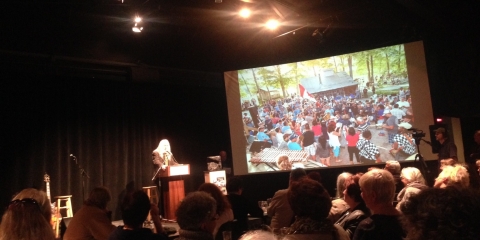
[(417, 134)]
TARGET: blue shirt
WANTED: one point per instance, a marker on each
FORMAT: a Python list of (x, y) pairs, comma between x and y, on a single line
[(294, 146)]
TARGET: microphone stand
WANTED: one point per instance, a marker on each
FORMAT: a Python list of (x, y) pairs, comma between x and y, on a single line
[(83, 173)]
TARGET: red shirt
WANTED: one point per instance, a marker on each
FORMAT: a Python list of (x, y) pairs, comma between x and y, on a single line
[(352, 140), (317, 130)]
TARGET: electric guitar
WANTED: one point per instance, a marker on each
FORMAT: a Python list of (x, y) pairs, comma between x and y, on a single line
[(55, 218)]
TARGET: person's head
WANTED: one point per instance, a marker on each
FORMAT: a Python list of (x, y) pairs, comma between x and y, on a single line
[(404, 126), (411, 174), (315, 176), (223, 155), (378, 187), (99, 197), (367, 134), (135, 208), (258, 234), (341, 178), (455, 176), (476, 137), (283, 163), (27, 217), (331, 127), (297, 174), (197, 212), (308, 198), (214, 191), (440, 134), (393, 167), (395, 105), (448, 213), (351, 131), (235, 185), (353, 193)]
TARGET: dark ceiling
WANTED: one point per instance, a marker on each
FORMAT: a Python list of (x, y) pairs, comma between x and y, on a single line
[(204, 35)]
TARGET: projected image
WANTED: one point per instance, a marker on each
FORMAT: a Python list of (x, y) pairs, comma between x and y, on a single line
[(342, 110)]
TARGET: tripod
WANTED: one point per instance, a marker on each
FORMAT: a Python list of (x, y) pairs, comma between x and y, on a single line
[(420, 162)]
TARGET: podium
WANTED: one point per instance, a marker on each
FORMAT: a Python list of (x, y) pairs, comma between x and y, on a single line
[(173, 189)]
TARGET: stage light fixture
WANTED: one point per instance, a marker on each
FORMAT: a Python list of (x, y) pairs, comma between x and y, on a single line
[(138, 26), (244, 13), (272, 24)]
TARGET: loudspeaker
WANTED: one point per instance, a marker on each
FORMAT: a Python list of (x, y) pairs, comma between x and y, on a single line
[(258, 146), (254, 113), (436, 144)]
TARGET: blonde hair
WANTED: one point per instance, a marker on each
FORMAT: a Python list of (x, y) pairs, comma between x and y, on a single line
[(283, 162), (412, 174), (342, 177), (457, 176), (393, 166), (27, 217), (380, 182)]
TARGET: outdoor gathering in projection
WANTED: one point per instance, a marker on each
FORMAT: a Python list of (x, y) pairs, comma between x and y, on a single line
[(342, 110)]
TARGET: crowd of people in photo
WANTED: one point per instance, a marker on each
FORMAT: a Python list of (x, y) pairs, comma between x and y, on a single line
[(328, 124)]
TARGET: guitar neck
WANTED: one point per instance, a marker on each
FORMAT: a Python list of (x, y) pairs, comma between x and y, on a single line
[(48, 191)]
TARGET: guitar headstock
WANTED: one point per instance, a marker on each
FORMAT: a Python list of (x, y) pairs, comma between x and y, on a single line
[(46, 178)]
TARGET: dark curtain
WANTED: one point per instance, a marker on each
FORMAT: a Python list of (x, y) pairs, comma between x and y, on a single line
[(111, 127)]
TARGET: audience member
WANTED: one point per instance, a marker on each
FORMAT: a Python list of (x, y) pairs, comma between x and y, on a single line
[(196, 216), (279, 209), (378, 191), (339, 206), (93, 220), (241, 206), (258, 235), (315, 176), (357, 210), (414, 182), (27, 217), (224, 210), (455, 176), (135, 208), (311, 204), (394, 168), (448, 213)]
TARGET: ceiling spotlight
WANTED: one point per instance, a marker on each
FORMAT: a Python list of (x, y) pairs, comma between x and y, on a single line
[(244, 13), (272, 24), (138, 26), (218, 1)]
